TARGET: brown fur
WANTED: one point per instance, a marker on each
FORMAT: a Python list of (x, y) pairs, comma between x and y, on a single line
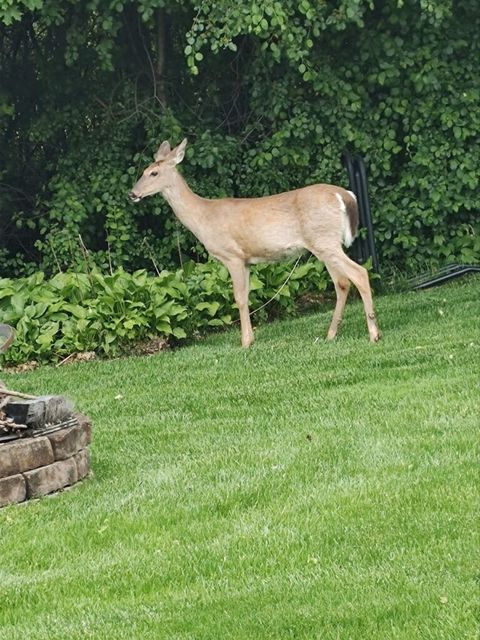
[(243, 231), (352, 212)]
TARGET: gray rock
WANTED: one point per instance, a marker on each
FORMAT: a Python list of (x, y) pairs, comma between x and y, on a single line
[(68, 441), (24, 455), (82, 460), (40, 411), (12, 489), (54, 477)]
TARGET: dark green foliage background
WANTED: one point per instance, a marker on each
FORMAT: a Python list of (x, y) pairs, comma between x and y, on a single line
[(269, 95)]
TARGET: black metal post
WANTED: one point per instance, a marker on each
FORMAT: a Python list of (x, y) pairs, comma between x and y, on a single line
[(362, 186), (362, 248)]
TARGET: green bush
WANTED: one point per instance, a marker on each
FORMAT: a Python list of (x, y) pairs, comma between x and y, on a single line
[(76, 312), (269, 95)]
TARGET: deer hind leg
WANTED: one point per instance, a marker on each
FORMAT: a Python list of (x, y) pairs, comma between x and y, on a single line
[(341, 267), (240, 275), (342, 287)]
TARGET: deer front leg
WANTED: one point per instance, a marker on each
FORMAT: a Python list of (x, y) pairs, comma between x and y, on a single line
[(240, 273)]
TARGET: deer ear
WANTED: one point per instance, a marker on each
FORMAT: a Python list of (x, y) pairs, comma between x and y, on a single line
[(163, 151), (179, 152)]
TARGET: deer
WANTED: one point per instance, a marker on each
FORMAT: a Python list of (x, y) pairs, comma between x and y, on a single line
[(240, 232)]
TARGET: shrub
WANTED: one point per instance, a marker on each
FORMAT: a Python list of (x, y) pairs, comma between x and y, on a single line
[(269, 95), (75, 312)]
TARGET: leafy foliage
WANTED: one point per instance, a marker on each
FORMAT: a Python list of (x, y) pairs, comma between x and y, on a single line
[(77, 312), (269, 95)]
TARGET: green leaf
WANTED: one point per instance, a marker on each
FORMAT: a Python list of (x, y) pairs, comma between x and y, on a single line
[(211, 307), (163, 326), (179, 333)]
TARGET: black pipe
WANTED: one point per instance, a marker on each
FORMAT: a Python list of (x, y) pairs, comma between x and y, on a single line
[(443, 275), (362, 182), (364, 247)]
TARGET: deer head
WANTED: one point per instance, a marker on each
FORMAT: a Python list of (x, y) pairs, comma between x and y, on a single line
[(158, 175)]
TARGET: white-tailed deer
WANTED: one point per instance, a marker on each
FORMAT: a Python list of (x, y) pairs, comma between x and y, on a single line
[(243, 231)]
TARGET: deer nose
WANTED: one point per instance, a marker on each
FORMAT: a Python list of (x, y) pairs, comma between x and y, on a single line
[(134, 197)]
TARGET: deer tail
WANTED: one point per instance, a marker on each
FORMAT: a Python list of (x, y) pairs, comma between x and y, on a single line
[(349, 209)]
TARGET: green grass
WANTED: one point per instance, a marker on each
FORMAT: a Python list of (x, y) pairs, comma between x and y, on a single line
[(297, 490)]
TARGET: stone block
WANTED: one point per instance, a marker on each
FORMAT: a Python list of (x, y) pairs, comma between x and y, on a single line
[(40, 411), (24, 455), (54, 477), (12, 489), (82, 460), (86, 425), (66, 442)]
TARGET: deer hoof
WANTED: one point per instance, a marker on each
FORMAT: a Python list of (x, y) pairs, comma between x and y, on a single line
[(246, 342)]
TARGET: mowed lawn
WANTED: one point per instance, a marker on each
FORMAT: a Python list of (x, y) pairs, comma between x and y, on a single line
[(296, 490)]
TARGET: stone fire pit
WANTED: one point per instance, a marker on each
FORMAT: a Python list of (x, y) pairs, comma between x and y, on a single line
[(43, 441), (43, 447)]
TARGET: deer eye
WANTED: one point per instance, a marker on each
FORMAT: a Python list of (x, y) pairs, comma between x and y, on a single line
[(154, 173)]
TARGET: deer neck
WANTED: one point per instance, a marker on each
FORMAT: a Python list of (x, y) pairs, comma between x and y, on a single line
[(189, 208)]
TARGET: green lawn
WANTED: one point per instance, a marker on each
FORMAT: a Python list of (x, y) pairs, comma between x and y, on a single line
[(297, 490)]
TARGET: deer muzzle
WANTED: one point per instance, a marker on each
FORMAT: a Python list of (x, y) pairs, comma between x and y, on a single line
[(134, 197)]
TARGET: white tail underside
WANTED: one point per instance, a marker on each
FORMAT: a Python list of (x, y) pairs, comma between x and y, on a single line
[(347, 237)]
